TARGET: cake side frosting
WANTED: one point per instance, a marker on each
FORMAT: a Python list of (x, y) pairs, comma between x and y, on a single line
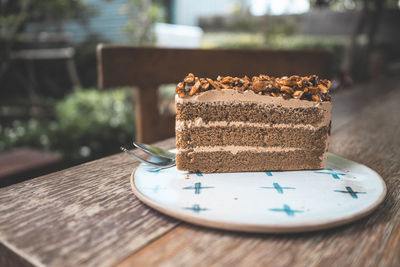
[(237, 149), (235, 96), (198, 122)]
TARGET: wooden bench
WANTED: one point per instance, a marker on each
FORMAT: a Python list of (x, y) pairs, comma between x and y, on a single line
[(23, 163)]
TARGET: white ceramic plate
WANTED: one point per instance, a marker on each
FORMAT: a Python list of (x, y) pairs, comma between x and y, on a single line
[(271, 202)]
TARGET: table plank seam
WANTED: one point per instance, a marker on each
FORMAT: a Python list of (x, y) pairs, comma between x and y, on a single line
[(20, 253)]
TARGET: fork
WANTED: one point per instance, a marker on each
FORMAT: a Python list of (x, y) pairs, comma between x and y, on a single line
[(160, 158)]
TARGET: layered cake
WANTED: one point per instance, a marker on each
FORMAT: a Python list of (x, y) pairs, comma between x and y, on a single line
[(252, 124)]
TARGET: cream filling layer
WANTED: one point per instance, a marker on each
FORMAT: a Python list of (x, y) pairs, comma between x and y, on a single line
[(236, 149), (198, 122)]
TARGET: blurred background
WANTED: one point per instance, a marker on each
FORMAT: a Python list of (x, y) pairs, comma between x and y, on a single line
[(49, 103)]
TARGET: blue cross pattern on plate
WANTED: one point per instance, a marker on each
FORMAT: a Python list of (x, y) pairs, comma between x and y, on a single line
[(195, 208), (334, 174), (279, 189), (350, 191), (155, 188), (197, 188), (286, 209)]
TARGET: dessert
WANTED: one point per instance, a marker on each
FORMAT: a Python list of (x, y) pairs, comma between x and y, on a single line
[(258, 124)]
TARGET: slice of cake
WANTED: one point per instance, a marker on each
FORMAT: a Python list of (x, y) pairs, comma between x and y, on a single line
[(258, 124)]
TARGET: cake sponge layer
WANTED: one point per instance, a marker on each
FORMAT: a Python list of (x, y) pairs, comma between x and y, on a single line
[(253, 136), (224, 161), (251, 112)]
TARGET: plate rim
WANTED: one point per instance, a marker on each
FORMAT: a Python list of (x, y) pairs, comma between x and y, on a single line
[(257, 228)]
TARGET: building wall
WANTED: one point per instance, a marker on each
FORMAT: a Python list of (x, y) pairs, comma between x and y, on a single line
[(187, 12), (108, 22)]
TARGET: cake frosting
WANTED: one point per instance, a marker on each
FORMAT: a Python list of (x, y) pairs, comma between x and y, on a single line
[(234, 96)]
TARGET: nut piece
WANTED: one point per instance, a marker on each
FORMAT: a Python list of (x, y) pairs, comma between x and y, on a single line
[(213, 84), (189, 78), (323, 88), (195, 87), (313, 90), (287, 89), (205, 85), (180, 87), (298, 94), (259, 86), (227, 79), (316, 98)]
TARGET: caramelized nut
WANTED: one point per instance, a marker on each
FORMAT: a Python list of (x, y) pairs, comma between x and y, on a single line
[(316, 98), (299, 84), (189, 78), (195, 87), (313, 90), (180, 87), (227, 79), (287, 89), (322, 88), (205, 85), (259, 86), (298, 94), (288, 83), (213, 84)]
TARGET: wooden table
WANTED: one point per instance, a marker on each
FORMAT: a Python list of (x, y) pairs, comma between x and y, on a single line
[(88, 216)]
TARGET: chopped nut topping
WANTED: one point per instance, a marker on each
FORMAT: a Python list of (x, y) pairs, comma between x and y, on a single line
[(310, 88)]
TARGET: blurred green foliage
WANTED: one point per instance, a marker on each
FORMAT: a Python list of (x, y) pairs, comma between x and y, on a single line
[(282, 38), (17, 12), (336, 44), (89, 124), (142, 14), (232, 40)]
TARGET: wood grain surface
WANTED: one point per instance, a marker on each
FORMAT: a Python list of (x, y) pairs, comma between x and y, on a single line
[(82, 216), (24, 162), (88, 216)]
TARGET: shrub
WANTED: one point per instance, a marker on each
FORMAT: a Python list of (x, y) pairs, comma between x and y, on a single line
[(89, 124)]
